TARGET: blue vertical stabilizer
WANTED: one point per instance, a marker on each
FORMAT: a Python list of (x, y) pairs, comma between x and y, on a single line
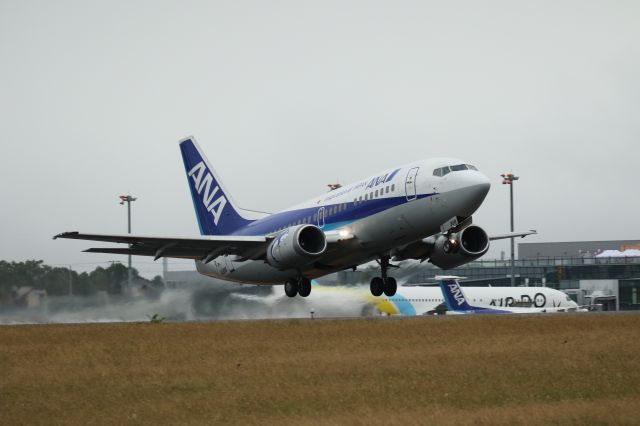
[(215, 211), (453, 295)]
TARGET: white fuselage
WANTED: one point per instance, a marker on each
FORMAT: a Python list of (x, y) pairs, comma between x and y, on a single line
[(382, 212), (424, 300)]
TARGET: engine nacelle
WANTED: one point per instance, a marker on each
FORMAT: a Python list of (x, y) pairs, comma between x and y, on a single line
[(296, 247), (460, 248)]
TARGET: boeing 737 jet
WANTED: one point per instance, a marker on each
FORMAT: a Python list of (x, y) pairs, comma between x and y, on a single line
[(421, 210)]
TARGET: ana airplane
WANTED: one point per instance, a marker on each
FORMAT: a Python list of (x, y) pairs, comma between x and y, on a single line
[(458, 303), (421, 210), (425, 300)]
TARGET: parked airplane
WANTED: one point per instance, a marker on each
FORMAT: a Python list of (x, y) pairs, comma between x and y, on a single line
[(458, 303), (355, 300), (423, 300), (418, 211)]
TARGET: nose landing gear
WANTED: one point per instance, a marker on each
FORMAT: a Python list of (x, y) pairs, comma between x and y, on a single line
[(384, 284)]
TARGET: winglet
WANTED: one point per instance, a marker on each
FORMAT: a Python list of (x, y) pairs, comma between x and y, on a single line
[(71, 234)]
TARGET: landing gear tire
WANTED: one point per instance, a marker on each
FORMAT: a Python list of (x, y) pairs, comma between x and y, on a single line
[(304, 287), (377, 286), (390, 286), (291, 288)]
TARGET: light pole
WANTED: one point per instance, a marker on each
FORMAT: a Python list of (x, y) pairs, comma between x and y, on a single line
[(70, 282), (508, 179), (128, 199)]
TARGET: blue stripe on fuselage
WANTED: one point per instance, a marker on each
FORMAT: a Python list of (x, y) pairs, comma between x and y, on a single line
[(402, 303), (351, 213)]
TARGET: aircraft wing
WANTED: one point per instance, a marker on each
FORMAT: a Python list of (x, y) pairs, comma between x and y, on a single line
[(204, 248), (512, 235), (421, 250)]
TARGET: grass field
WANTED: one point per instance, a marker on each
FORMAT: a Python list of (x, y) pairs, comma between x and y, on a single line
[(545, 369)]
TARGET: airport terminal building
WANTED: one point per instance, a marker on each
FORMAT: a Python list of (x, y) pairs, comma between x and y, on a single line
[(573, 248), (583, 269)]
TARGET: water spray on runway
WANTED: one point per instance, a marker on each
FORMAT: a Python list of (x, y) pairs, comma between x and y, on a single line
[(194, 303)]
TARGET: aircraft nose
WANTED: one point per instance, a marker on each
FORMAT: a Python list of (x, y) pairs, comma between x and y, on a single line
[(479, 189), (482, 185), (474, 186)]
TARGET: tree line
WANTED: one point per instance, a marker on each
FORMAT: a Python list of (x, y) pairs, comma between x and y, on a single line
[(59, 281)]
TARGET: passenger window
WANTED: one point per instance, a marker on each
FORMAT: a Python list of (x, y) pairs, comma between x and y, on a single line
[(393, 187), (376, 194), (387, 189)]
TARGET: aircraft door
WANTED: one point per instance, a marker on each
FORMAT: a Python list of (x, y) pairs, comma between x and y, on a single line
[(320, 217), (410, 184)]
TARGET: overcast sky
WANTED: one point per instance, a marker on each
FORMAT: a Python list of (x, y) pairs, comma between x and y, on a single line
[(287, 96)]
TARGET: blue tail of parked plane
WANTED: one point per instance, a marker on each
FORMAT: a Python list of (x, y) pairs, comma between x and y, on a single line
[(457, 302), (215, 210), (453, 295)]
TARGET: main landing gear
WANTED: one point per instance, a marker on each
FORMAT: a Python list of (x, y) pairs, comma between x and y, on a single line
[(384, 284), (301, 286)]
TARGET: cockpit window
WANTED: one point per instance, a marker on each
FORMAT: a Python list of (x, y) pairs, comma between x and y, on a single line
[(442, 171)]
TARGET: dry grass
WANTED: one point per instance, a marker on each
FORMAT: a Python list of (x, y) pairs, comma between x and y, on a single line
[(553, 369)]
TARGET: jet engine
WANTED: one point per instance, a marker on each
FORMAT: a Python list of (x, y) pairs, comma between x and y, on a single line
[(459, 248), (296, 247)]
